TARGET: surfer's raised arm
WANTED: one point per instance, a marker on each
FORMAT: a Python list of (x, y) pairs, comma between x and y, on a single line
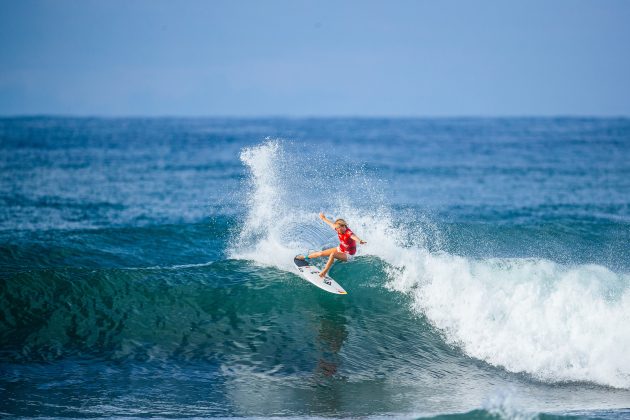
[(335, 226), (328, 222)]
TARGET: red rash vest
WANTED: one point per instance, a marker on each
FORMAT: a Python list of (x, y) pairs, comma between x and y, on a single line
[(346, 243)]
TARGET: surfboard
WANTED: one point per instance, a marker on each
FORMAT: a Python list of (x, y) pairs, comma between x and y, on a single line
[(311, 274)]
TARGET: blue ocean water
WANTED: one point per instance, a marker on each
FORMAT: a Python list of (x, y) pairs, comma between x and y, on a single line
[(145, 268)]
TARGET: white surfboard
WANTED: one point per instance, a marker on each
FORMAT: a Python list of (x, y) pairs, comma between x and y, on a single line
[(311, 273)]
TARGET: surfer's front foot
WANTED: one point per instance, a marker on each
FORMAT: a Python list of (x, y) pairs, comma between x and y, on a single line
[(300, 257), (322, 275)]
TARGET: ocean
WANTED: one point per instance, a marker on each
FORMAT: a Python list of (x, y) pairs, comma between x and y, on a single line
[(146, 268)]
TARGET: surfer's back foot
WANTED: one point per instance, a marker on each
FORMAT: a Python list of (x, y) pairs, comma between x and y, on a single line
[(300, 257)]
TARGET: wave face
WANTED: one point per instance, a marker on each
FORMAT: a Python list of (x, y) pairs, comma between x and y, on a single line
[(146, 268)]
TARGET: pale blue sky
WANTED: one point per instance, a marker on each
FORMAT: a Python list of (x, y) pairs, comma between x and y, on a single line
[(315, 58)]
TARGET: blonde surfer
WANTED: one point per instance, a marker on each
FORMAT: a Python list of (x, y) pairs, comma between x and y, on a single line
[(347, 244)]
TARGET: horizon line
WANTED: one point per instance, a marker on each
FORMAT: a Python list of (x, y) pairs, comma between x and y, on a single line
[(309, 117)]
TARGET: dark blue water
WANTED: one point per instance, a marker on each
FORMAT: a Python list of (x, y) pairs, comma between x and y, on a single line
[(145, 268)]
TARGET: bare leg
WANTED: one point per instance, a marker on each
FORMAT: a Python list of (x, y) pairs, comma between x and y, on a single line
[(318, 254), (335, 254)]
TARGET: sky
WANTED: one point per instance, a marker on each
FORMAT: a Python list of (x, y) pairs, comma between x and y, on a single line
[(299, 58)]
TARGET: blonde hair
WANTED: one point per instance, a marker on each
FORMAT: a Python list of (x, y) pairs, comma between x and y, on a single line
[(341, 222)]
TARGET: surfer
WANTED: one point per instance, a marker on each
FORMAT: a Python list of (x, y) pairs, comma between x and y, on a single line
[(347, 244)]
